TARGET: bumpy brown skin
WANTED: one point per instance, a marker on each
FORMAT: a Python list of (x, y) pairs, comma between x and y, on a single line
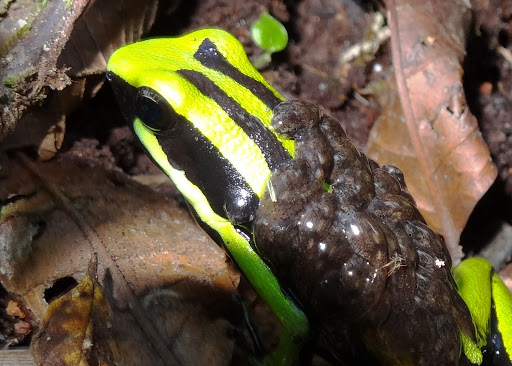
[(371, 276)]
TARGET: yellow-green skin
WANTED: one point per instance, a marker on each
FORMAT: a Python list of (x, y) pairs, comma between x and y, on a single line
[(482, 290), (158, 64)]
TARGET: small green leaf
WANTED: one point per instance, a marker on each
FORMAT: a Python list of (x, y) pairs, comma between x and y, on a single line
[(269, 34)]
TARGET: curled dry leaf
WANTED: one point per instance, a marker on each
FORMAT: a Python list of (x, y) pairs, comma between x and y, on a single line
[(426, 128), (77, 329), (167, 283)]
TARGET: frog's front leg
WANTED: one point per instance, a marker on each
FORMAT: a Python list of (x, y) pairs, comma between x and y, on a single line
[(294, 322)]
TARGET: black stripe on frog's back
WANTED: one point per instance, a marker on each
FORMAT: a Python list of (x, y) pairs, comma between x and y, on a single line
[(271, 148), (208, 55)]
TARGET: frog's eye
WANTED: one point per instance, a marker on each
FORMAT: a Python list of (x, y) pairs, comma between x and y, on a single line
[(152, 109)]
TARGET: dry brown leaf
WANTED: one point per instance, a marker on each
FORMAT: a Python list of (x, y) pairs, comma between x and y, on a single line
[(168, 284), (77, 329), (427, 129)]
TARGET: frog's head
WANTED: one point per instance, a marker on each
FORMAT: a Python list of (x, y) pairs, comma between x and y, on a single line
[(201, 110)]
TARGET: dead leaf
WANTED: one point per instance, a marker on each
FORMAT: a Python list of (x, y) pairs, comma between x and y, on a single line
[(427, 129), (76, 329)]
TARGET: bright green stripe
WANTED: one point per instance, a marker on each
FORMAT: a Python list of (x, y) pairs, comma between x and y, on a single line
[(470, 349), (247, 100), (503, 305), (473, 278)]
